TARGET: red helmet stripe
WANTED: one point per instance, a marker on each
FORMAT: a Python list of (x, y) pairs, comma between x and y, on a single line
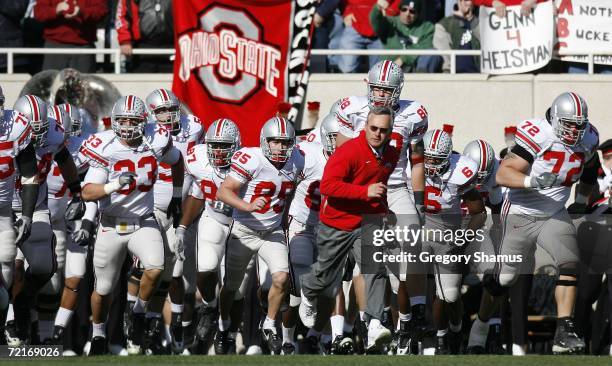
[(483, 155), (282, 127), (434, 139), (578, 106), (34, 107), (385, 71), (68, 109), (129, 102), (219, 127), (58, 114), (164, 95)]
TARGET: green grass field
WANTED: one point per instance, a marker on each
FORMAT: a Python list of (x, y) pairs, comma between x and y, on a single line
[(322, 360)]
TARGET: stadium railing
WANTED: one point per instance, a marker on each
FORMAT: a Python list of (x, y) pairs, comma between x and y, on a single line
[(11, 52)]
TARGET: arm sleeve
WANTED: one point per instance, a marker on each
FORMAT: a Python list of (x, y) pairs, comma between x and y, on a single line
[(523, 153), (171, 156), (123, 23), (333, 184), (381, 25), (442, 41), (94, 11), (26, 162), (589, 174), (44, 10)]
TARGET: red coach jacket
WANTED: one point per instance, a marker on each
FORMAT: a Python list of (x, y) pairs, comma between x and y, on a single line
[(80, 30), (344, 186), (489, 3)]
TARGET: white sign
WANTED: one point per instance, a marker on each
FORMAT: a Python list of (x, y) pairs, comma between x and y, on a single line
[(584, 25), (516, 43)]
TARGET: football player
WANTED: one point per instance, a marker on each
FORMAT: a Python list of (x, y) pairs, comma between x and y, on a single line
[(259, 183), (406, 184), (450, 178), (123, 170), (38, 250), (17, 153), (208, 165), (186, 132), (550, 155)]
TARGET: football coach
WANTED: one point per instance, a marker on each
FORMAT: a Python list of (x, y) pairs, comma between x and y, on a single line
[(353, 190)]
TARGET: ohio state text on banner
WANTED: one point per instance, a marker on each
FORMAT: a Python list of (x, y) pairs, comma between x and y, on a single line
[(238, 59), (584, 26), (516, 43)]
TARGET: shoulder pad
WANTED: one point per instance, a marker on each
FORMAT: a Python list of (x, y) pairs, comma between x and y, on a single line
[(464, 170), (533, 135), (246, 162), (93, 148), (20, 129)]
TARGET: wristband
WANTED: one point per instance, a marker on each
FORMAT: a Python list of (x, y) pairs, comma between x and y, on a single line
[(419, 197), (527, 182), (177, 191), (112, 187)]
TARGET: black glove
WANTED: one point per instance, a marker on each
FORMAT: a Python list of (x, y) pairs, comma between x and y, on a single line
[(23, 228), (83, 236), (577, 208), (175, 210), (75, 209)]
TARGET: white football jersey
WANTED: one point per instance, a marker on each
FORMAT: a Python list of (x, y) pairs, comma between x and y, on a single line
[(15, 135), (206, 180), (443, 193), (307, 200), (409, 126), (605, 182), (108, 158), (262, 179), (489, 190), (550, 155), (58, 188), (191, 133), (44, 157)]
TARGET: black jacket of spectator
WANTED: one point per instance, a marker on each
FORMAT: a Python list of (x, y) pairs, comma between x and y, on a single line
[(11, 15), (327, 7)]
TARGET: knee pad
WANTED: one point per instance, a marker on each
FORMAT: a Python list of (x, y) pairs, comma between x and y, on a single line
[(449, 295), (103, 286), (493, 285), (8, 269)]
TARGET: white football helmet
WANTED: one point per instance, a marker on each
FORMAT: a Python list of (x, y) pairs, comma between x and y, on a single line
[(61, 117), (329, 131), (165, 108), (483, 154), (386, 75), (35, 109), (569, 117), (128, 118), (438, 149), (277, 128), (76, 121), (222, 140)]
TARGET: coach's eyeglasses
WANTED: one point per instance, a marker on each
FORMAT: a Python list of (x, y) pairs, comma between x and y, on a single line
[(377, 129), (404, 9)]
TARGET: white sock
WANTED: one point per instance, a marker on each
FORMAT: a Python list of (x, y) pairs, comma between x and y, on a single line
[(374, 323), (517, 350), (362, 315), (167, 333), (337, 325), (478, 333), (176, 308), (131, 297), (211, 304), (313, 333), (347, 328), (442, 332), (140, 306), (186, 324), (98, 330), (455, 328), (10, 315), (494, 321), (269, 323), (403, 317), (417, 300), (223, 324), (63, 317), (288, 335)]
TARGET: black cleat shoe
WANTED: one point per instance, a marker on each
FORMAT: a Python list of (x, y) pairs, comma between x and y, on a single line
[(403, 339), (342, 345), (137, 334), (10, 333), (176, 333), (442, 345), (273, 341), (361, 336), (288, 349), (494, 341), (387, 320), (566, 340), (153, 337), (208, 318), (310, 346), (221, 342), (418, 327), (455, 339), (98, 346), (57, 338), (476, 350), (127, 319)]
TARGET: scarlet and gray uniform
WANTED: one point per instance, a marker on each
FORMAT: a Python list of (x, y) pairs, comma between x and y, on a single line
[(15, 134), (539, 217), (260, 231), (39, 249), (127, 221), (443, 212), (409, 125), (214, 223), (191, 133)]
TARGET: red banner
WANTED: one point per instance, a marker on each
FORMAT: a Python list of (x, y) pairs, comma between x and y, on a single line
[(239, 59)]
